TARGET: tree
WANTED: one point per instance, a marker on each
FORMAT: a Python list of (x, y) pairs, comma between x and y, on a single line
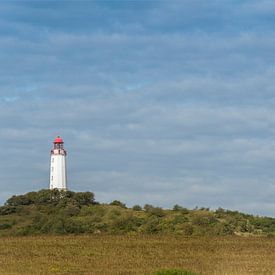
[(147, 207), (137, 208), (118, 203), (177, 207), (84, 198), (157, 211)]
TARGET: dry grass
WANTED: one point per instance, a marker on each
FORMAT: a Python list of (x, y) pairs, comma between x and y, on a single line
[(135, 254)]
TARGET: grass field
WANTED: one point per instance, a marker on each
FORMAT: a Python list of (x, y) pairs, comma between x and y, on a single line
[(97, 254)]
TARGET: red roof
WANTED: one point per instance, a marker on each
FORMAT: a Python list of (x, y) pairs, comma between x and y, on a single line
[(58, 140)]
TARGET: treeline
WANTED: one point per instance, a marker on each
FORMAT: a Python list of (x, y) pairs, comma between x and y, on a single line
[(60, 212)]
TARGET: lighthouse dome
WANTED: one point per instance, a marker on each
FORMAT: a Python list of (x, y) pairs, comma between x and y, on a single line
[(58, 140)]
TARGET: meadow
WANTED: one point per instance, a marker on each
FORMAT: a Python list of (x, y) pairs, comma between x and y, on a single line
[(136, 254)]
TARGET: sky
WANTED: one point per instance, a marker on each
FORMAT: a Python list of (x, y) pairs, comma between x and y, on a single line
[(159, 102)]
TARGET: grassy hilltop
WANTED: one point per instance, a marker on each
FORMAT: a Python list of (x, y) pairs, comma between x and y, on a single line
[(59, 212)]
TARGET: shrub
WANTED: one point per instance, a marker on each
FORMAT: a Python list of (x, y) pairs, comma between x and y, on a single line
[(223, 229), (6, 210), (71, 210), (147, 207), (5, 226), (74, 226), (92, 210), (54, 196), (126, 223), (187, 229), (177, 207), (156, 211), (58, 227), (18, 200), (184, 211), (137, 208), (118, 203), (24, 231), (152, 226), (179, 219), (84, 198), (204, 220)]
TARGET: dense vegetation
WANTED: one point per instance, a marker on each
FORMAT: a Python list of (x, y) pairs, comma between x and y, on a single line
[(59, 212)]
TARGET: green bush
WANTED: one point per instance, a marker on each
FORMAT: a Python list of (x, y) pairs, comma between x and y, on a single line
[(180, 219), (118, 203), (187, 229), (148, 207), (156, 211), (126, 223), (92, 210), (152, 226), (83, 198), (204, 220), (137, 208), (71, 210), (7, 210), (74, 226), (177, 207), (5, 226), (54, 196)]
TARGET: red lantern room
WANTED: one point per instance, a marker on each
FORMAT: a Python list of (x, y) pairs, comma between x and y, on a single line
[(58, 140), (58, 147), (58, 143)]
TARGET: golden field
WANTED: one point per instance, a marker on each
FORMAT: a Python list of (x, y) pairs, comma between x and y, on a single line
[(136, 254)]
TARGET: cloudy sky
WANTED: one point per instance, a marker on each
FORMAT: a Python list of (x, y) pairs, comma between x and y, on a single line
[(158, 102)]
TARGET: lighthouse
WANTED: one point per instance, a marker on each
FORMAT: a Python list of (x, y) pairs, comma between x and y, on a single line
[(58, 175)]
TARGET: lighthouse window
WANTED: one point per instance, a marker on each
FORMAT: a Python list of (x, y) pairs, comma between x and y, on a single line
[(52, 159), (52, 177)]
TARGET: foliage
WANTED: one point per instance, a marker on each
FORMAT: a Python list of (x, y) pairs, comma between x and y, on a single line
[(118, 203), (6, 210), (51, 197), (156, 211), (148, 207), (5, 226), (177, 207), (137, 208), (67, 212), (152, 226)]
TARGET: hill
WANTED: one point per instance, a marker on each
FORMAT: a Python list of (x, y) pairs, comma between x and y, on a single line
[(59, 212)]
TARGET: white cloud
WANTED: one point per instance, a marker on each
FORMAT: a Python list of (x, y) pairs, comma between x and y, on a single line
[(152, 110)]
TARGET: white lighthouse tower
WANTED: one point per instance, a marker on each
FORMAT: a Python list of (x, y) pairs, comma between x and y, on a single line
[(58, 175)]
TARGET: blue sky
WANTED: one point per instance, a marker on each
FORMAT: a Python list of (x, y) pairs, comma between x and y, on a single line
[(159, 102)]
